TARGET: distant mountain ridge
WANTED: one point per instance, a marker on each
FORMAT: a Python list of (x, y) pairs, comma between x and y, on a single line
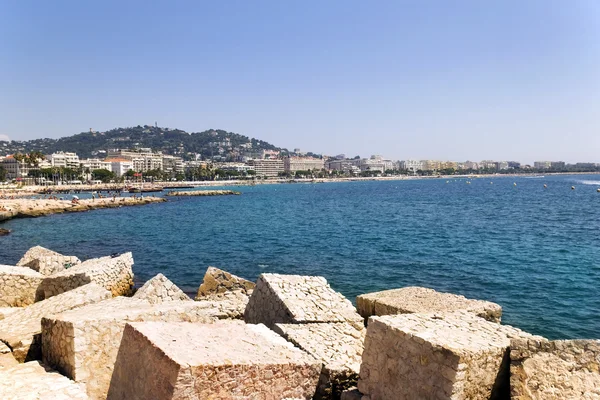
[(212, 143)]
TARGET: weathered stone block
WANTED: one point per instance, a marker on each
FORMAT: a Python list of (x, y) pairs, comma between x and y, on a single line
[(423, 300), (338, 346), (18, 286), (115, 274), (217, 282), (34, 381), (21, 329), (298, 299), (210, 361), (555, 370), (160, 289), (83, 343), (436, 356), (47, 262)]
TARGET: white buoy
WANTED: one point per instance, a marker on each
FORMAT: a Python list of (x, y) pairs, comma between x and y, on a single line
[(515, 184), (572, 187), (598, 190), (545, 185)]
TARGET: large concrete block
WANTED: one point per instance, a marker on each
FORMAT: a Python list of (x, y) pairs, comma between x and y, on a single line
[(218, 282), (83, 343), (338, 346), (47, 262), (34, 381), (160, 289), (423, 300), (290, 299), (21, 330), (231, 360), (555, 370), (115, 274), (18, 286), (456, 356)]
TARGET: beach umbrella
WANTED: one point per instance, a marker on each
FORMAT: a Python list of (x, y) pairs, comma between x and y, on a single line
[(75, 197)]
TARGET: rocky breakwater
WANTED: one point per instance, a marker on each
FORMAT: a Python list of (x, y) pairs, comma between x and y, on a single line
[(289, 337), (23, 208), (203, 193)]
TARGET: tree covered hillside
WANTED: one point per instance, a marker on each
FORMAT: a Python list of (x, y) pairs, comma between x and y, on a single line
[(209, 144)]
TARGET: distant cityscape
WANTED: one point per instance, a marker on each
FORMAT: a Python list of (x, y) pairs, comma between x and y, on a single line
[(216, 155)]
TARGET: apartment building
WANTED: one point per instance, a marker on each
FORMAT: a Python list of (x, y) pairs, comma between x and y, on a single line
[(268, 167), (294, 164)]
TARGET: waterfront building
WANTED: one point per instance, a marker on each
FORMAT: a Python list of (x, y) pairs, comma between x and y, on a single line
[(95, 163), (14, 169), (372, 164), (542, 164), (514, 164), (411, 165), (144, 160), (294, 164), (430, 165), (64, 160), (267, 167), (119, 166), (501, 165), (345, 166), (172, 164), (232, 166), (488, 164), (557, 165)]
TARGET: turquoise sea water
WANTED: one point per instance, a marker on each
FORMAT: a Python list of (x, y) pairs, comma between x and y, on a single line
[(535, 251)]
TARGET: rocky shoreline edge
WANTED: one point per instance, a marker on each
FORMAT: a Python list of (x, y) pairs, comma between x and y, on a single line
[(31, 208), (72, 329)]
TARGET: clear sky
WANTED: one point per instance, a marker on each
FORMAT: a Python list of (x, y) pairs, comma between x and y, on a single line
[(455, 80)]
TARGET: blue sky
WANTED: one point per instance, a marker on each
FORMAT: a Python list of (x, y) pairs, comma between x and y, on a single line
[(455, 80)]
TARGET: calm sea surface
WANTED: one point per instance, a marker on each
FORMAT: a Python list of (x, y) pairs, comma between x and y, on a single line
[(534, 251)]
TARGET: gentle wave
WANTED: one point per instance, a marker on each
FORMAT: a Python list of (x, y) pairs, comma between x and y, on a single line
[(595, 183)]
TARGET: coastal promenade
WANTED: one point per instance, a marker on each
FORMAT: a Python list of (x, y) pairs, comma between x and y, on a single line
[(23, 208)]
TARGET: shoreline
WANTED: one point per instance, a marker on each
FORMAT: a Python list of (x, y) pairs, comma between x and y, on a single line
[(32, 208), (35, 190)]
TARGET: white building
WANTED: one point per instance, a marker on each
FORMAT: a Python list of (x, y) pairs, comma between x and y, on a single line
[(119, 166), (542, 164), (411, 165), (172, 164), (267, 168), (294, 164), (95, 163), (64, 160)]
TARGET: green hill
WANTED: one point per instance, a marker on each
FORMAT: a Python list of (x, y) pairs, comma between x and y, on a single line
[(213, 143)]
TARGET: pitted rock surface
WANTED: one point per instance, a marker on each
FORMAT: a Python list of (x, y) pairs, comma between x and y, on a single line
[(555, 370), (436, 356), (338, 346), (423, 300), (160, 289), (298, 299), (47, 262), (115, 274), (21, 329), (18, 286), (218, 282), (83, 343), (34, 381), (229, 360)]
